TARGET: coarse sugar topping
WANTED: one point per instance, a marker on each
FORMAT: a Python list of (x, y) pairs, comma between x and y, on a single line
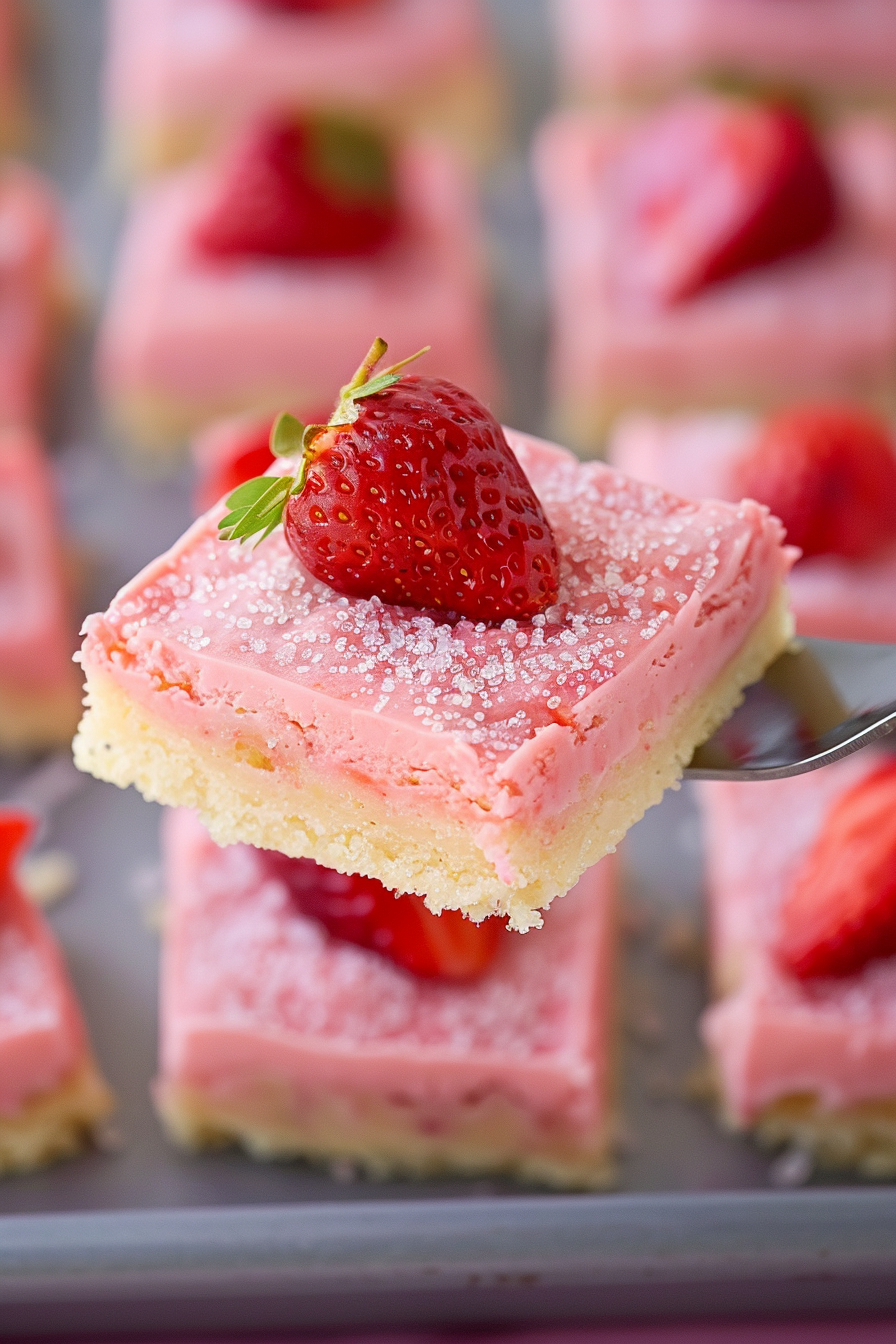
[(631, 557)]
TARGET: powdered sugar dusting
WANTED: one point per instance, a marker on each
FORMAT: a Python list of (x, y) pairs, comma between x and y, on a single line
[(631, 557)]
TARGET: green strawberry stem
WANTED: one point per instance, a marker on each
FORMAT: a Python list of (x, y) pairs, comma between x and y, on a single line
[(256, 507)]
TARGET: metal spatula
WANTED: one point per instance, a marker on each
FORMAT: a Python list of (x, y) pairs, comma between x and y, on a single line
[(818, 702)]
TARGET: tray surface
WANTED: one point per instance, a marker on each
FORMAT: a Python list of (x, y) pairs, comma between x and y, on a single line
[(137, 1226)]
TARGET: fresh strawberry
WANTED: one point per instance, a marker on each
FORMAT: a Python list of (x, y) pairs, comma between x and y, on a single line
[(361, 910), (316, 188), (841, 911), (16, 829), (411, 494), (712, 186), (829, 474)]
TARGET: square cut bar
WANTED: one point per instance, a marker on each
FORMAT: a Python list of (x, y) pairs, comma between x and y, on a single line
[(51, 1094), (185, 339), (812, 1063), (645, 48), (833, 597), (484, 767), (183, 74), (39, 687), (820, 324), (294, 1044)]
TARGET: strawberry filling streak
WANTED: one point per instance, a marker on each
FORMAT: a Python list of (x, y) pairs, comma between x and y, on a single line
[(710, 187), (16, 829)]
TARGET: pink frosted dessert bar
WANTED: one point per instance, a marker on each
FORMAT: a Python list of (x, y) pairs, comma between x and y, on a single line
[(182, 74), (39, 687), (295, 1044), (484, 767), (809, 1062), (51, 1093), (185, 339), (642, 48), (833, 597), (35, 291), (820, 324)]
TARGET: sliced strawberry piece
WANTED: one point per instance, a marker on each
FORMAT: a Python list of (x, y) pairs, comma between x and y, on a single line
[(713, 186), (315, 188), (840, 913), (16, 829), (411, 494), (829, 474), (361, 910)]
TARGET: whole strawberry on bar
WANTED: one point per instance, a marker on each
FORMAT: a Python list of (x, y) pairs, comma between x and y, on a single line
[(712, 186), (360, 910), (411, 494), (317, 186), (829, 473)]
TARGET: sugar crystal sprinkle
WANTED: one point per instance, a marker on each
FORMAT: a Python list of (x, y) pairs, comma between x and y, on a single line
[(621, 542)]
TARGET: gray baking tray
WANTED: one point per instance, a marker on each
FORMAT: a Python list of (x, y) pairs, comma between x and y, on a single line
[(140, 1237)]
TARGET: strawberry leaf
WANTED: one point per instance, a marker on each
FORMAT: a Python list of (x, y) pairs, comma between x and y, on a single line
[(287, 435), (375, 385), (256, 507)]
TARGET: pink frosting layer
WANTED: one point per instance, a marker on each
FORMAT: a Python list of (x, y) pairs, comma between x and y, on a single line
[(244, 334), (255, 992), (626, 46), (36, 638), (41, 1034), (832, 597), (822, 322), (181, 59), (492, 725), (774, 1036)]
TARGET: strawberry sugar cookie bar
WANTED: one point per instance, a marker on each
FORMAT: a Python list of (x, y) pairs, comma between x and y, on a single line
[(714, 253), (51, 1094), (241, 283), (827, 471), (282, 1034), (620, 49), (182, 74), (802, 885), (40, 698), (562, 639)]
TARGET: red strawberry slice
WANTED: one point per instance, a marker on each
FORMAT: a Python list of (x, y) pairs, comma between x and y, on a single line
[(411, 494), (16, 829), (361, 910), (314, 188), (712, 186), (840, 913), (829, 474)]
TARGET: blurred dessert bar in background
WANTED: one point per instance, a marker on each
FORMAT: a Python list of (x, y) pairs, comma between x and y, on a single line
[(40, 689), (635, 49), (715, 252), (242, 284), (827, 471), (183, 75), (52, 1097), (802, 889), (495, 1056)]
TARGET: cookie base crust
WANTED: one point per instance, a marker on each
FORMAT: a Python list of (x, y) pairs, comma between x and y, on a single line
[(379, 1139), (55, 1124), (241, 796)]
